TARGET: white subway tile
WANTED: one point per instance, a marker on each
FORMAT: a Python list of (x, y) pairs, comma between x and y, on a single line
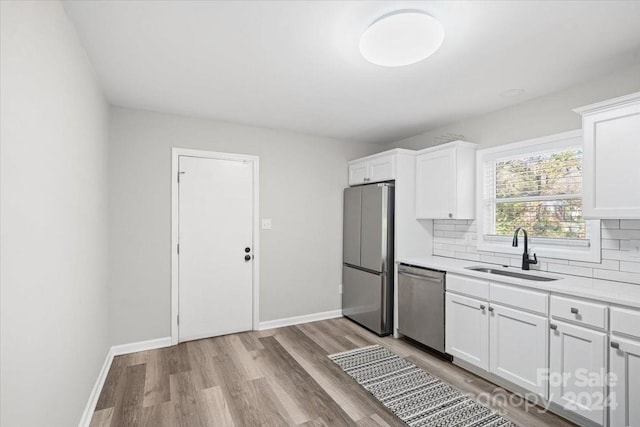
[(445, 240), (446, 227), (606, 264), (467, 256), (611, 223), (630, 267), (620, 234), (558, 261), (570, 269), (495, 259), (441, 252), (449, 247), (463, 227), (459, 235), (612, 254), (610, 244), (629, 224), (618, 276)]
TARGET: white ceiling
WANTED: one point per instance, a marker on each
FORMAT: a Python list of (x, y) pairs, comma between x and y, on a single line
[(296, 65)]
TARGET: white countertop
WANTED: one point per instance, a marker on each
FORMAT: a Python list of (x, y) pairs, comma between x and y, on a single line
[(604, 290)]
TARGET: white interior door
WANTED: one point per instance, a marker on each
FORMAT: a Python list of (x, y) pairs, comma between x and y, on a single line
[(215, 230)]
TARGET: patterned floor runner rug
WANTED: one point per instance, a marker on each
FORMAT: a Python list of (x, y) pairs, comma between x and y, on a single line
[(416, 397)]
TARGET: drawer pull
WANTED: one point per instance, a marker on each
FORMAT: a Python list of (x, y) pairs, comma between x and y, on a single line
[(615, 344), (574, 310), (491, 309), (553, 326), (482, 306)]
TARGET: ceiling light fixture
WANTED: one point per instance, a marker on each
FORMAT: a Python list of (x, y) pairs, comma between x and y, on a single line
[(400, 38)]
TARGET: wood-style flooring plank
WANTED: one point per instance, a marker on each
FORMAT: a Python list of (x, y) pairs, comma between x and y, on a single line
[(109, 392), (101, 418), (302, 387), (160, 415), (128, 408), (355, 400), (215, 408)]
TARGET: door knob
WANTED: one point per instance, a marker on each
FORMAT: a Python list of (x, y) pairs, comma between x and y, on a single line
[(247, 257), (247, 249)]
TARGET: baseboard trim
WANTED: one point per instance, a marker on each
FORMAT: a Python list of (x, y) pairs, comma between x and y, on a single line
[(85, 420), (116, 350), (296, 320), (135, 347)]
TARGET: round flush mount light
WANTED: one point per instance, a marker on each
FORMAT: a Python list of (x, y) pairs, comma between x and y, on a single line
[(401, 38)]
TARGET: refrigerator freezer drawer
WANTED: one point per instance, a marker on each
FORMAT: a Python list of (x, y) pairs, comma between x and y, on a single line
[(366, 299)]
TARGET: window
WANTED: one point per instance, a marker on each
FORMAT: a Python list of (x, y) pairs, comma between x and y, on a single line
[(536, 185)]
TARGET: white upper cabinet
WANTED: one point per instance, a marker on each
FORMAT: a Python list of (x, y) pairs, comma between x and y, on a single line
[(358, 172), (611, 132), (376, 168), (445, 181)]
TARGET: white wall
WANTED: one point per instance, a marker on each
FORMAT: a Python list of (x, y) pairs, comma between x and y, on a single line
[(301, 182), (538, 117), (53, 133)]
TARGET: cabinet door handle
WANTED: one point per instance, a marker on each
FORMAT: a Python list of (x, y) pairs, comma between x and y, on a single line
[(450, 215), (553, 326), (482, 306), (615, 344), (574, 310), (491, 309)]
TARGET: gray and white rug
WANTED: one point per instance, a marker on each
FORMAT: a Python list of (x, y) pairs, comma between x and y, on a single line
[(416, 397)]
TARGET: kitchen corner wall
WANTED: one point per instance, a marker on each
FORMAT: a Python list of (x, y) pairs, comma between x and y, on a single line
[(301, 183), (457, 239)]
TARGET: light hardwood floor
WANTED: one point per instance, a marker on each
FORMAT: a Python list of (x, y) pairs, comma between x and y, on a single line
[(277, 377)]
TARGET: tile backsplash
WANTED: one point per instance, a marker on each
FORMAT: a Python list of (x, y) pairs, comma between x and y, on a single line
[(457, 239)]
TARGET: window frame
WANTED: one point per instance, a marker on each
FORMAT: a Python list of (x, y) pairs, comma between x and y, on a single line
[(571, 249)]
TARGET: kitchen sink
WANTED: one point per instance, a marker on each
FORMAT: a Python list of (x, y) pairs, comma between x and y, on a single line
[(513, 274)]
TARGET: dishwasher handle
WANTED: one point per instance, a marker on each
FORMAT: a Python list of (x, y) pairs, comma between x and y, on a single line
[(415, 276)]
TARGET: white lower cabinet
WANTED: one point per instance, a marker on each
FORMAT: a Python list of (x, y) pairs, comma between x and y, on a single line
[(624, 365), (467, 329), (518, 347), (577, 362)]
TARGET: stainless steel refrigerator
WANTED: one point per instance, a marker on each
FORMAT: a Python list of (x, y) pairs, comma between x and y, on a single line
[(367, 271)]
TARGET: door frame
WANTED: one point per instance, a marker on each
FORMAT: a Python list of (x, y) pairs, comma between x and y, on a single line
[(254, 160)]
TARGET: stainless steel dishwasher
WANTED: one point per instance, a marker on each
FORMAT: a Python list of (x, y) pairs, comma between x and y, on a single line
[(421, 305)]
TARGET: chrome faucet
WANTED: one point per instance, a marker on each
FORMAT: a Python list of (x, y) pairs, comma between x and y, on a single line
[(526, 261)]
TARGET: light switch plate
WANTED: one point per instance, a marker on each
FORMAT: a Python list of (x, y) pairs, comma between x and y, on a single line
[(634, 248), (266, 224)]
